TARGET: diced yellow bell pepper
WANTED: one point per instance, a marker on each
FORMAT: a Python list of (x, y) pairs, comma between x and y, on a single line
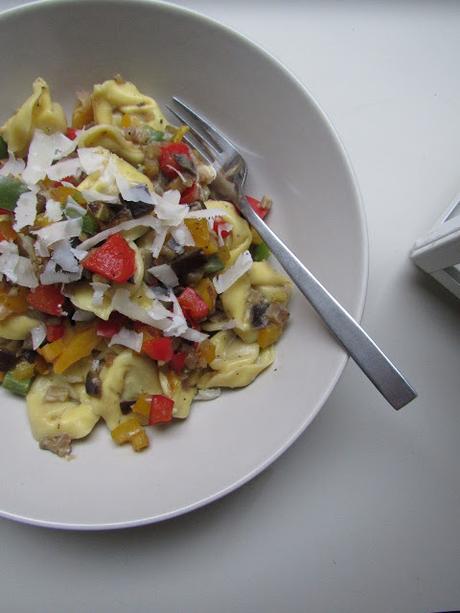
[(207, 351), (140, 441), (52, 351), (142, 409), (269, 335), (126, 121), (126, 430), (23, 370), (40, 365), (199, 229), (211, 247), (62, 192), (180, 133), (41, 221), (15, 300), (80, 345), (206, 291), (6, 230)]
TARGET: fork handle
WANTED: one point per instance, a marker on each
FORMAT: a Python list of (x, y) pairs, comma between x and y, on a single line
[(372, 361)]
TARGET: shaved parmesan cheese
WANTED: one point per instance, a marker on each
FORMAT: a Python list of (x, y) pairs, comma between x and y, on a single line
[(73, 209), (38, 335), (62, 255), (194, 335), (16, 268), (43, 150), (8, 263), (25, 273), (81, 315), (91, 195), (158, 241), (92, 159), (159, 293), (53, 210), (99, 290), (169, 210), (7, 247), (137, 192), (50, 275), (183, 236), (146, 220), (65, 168), (227, 278), (223, 227), (59, 230), (26, 210), (211, 393), (128, 338), (165, 274), (12, 166), (206, 214), (122, 303), (41, 249)]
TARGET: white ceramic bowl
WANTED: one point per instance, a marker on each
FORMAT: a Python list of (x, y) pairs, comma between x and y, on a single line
[(293, 154)]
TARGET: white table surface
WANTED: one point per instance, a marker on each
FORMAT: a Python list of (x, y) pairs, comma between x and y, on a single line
[(362, 514)]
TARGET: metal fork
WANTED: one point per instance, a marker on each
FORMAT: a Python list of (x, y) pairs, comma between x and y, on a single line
[(232, 171)]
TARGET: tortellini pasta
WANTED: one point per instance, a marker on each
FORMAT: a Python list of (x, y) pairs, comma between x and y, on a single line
[(113, 99), (17, 327), (241, 236), (182, 395), (38, 111), (274, 287), (237, 363), (111, 138)]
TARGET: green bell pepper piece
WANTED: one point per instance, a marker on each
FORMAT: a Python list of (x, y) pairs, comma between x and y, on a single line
[(10, 190), (89, 224), (16, 386), (259, 252), (214, 264)]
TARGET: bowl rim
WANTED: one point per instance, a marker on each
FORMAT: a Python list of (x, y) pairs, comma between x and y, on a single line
[(358, 310)]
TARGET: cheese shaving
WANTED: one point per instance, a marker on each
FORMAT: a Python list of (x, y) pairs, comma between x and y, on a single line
[(99, 290), (59, 230), (50, 275), (26, 210), (53, 210), (146, 220), (38, 335), (65, 168), (64, 257), (43, 150), (165, 274), (82, 315), (12, 166), (128, 338), (227, 278)]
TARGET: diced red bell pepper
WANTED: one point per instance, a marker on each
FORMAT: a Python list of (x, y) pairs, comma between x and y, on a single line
[(114, 260), (256, 206), (167, 161), (47, 299), (177, 362), (190, 194), (71, 133), (193, 306), (112, 326), (54, 332), (220, 222), (161, 409), (158, 348)]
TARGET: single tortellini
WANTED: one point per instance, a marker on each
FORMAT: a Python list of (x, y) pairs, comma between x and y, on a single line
[(111, 138), (17, 327), (113, 99), (81, 295), (241, 236), (128, 376), (273, 287), (38, 111), (182, 395), (55, 405), (237, 363)]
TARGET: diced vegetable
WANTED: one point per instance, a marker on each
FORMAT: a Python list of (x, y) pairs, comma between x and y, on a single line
[(205, 289), (142, 409), (47, 299), (23, 370), (139, 441), (168, 162), (161, 409), (186, 263), (190, 194), (3, 149), (177, 362), (16, 386), (54, 332), (158, 348), (269, 335), (256, 205), (207, 351), (199, 230), (41, 366), (15, 300), (112, 326), (193, 306), (218, 223), (61, 193), (126, 430), (10, 190), (89, 224), (260, 252), (80, 345), (115, 260), (52, 350), (154, 135), (7, 232), (8, 360), (179, 134), (71, 133), (214, 264)]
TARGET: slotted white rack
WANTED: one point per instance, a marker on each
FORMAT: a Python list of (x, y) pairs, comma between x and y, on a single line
[(438, 252)]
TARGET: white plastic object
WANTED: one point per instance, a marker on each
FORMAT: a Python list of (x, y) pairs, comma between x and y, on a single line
[(438, 252)]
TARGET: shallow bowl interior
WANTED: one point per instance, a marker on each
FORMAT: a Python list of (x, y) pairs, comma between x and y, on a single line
[(293, 155)]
